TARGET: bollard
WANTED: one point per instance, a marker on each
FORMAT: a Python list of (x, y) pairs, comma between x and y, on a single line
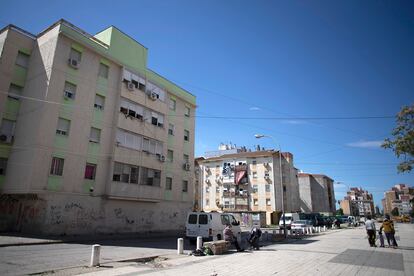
[(180, 246), (319, 229), (96, 250), (280, 231), (324, 228), (199, 242), (289, 232)]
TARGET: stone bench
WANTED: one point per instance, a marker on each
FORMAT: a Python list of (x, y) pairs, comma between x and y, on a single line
[(218, 247)]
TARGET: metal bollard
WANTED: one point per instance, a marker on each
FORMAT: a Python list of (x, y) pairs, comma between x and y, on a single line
[(324, 228), (319, 229), (180, 246), (96, 251), (199, 242)]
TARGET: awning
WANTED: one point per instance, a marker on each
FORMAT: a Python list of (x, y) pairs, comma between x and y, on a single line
[(239, 176)]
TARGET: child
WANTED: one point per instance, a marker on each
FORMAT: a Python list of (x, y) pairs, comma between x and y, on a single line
[(381, 238)]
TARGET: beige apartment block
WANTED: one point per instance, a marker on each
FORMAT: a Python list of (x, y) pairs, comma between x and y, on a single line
[(245, 182), (91, 139), (400, 196), (358, 202), (316, 193)]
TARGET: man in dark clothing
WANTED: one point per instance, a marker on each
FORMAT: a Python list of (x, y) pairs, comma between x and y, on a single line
[(255, 235), (228, 236)]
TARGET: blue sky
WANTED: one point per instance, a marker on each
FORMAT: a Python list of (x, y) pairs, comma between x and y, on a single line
[(284, 59)]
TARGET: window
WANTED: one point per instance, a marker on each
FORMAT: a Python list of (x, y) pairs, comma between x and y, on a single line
[(90, 170), (22, 59), (173, 104), (202, 219), (95, 135), (225, 219), (192, 219), (150, 177), (69, 91), (103, 71), (187, 111), (170, 156), (7, 131), (207, 202), (141, 86), (254, 189), (267, 188), (157, 119), (170, 129), (99, 102), (186, 135), (284, 188), (125, 173), (57, 166), (15, 91), (255, 202), (63, 127), (3, 166), (186, 158), (254, 162), (268, 202), (254, 174), (168, 183), (138, 142), (185, 186), (217, 189), (75, 55), (207, 189)]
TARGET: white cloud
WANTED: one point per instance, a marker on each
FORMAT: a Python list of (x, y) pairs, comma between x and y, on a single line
[(365, 144), (294, 122), (254, 108)]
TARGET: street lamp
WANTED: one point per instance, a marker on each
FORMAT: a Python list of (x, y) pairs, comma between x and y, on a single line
[(258, 136)]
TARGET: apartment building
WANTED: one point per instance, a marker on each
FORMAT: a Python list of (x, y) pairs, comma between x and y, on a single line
[(358, 202), (91, 139), (240, 181), (400, 196), (316, 193)]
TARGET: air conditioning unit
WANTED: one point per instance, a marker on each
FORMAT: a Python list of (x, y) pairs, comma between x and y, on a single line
[(73, 63), (69, 95), (265, 164), (130, 86), (266, 176), (6, 138), (161, 158), (153, 96), (208, 181), (186, 166)]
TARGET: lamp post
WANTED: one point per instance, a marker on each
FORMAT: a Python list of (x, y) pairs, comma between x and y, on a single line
[(258, 136)]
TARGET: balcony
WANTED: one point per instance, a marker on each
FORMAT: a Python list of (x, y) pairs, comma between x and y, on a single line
[(125, 191)]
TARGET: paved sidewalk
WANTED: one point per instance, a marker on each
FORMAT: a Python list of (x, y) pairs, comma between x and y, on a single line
[(339, 252)]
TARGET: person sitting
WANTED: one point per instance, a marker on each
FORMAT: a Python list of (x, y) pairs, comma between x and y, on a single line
[(229, 236)]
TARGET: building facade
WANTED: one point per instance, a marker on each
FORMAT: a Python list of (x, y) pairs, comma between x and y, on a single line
[(316, 193), (236, 180), (358, 202), (91, 140), (400, 197)]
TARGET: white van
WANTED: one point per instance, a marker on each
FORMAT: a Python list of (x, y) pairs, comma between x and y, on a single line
[(210, 226), (289, 218)]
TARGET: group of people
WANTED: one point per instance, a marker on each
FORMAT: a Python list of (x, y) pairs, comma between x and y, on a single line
[(388, 228), (253, 239)]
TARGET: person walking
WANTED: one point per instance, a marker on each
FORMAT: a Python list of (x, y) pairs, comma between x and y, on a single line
[(381, 238), (229, 236), (389, 230), (370, 227)]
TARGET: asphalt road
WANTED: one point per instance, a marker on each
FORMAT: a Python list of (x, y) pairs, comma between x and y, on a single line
[(20, 260)]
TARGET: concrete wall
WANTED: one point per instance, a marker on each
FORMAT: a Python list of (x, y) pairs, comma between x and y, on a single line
[(68, 215)]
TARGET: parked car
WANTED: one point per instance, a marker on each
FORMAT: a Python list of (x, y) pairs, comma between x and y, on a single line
[(289, 218), (210, 226), (298, 226)]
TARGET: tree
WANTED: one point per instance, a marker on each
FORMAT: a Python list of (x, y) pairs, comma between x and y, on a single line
[(403, 142), (395, 212), (340, 212)]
